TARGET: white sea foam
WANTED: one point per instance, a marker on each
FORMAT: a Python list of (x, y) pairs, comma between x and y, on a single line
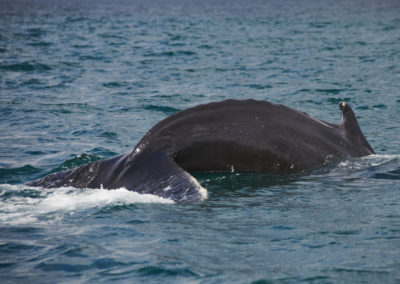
[(67, 199), (29, 204), (369, 161)]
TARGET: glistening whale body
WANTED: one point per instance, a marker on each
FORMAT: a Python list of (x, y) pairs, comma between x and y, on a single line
[(231, 135)]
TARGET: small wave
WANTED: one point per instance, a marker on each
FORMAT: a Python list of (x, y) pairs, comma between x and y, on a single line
[(40, 43), (336, 101), (161, 271), (21, 204), (92, 58), (36, 32), (27, 169), (26, 67), (13, 175), (171, 53), (373, 167), (370, 167), (380, 106), (259, 86), (115, 84), (110, 135), (164, 109), (75, 19), (329, 91), (393, 175), (370, 161)]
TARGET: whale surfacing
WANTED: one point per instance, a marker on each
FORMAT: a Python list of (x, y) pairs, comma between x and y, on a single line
[(231, 135)]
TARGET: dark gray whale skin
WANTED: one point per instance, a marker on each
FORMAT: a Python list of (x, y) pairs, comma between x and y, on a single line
[(231, 135)]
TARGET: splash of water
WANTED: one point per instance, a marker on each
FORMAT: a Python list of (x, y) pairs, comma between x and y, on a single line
[(21, 204)]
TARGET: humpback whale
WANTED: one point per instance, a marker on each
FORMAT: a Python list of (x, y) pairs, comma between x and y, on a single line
[(231, 135)]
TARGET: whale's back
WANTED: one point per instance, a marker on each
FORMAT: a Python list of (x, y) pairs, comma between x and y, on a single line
[(247, 136)]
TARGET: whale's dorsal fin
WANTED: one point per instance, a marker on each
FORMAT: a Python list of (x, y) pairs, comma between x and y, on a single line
[(351, 130)]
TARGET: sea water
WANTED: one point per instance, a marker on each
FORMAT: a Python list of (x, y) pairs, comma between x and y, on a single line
[(84, 80)]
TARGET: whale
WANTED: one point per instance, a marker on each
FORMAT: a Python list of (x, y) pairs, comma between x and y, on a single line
[(226, 136)]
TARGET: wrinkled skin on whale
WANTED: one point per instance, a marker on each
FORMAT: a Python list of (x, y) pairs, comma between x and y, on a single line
[(231, 135)]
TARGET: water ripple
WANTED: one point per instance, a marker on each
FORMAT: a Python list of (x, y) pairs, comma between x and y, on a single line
[(26, 67), (93, 77)]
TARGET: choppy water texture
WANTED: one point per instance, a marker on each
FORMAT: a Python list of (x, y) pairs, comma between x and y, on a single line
[(84, 81)]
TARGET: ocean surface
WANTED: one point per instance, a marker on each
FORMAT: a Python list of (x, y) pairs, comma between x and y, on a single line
[(85, 80)]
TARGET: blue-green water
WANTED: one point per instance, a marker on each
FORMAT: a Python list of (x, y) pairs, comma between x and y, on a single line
[(84, 81)]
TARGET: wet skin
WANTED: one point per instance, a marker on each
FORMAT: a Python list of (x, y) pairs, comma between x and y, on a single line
[(231, 135)]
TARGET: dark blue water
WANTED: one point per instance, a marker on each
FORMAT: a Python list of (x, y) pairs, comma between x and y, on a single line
[(85, 81)]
